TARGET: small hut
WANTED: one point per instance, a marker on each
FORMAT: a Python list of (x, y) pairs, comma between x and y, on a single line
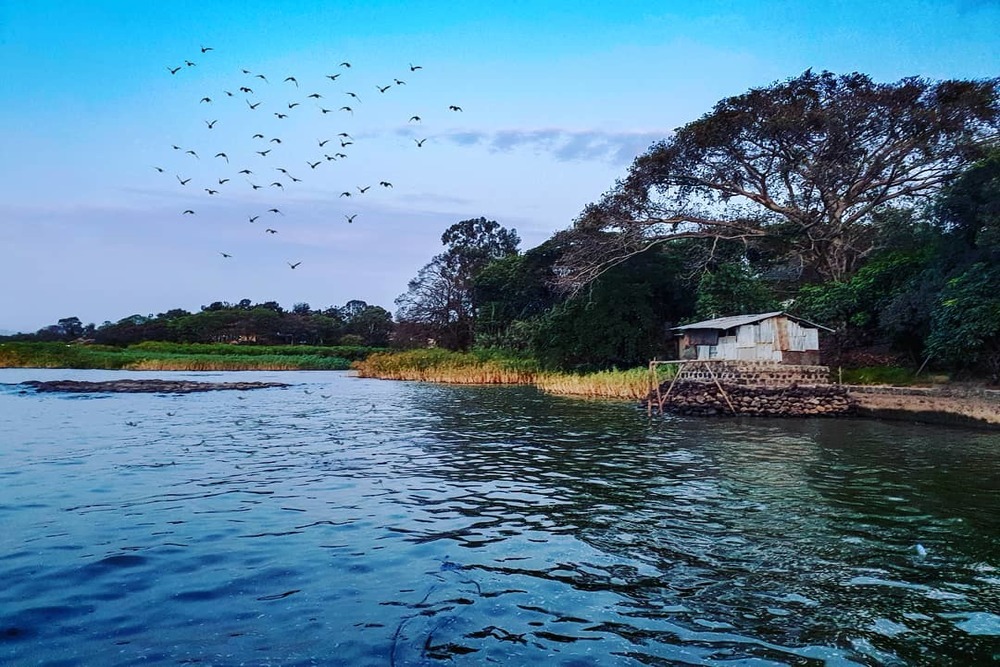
[(774, 337)]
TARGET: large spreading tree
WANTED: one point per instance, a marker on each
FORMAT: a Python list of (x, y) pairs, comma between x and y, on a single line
[(801, 167)]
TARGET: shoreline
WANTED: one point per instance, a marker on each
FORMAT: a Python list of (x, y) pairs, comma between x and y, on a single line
[(948, 406)]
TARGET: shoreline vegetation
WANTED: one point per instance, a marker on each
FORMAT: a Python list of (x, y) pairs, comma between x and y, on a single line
[(874, 396)]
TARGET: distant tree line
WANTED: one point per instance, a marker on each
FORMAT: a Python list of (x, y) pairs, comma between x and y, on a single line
[(873, 209), (244, 322)]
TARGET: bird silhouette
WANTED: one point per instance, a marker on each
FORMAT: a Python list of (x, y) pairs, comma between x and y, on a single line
[(345, 64), (345, 194), (276, 184), (253, 106), (211, 124), (176, 147), (274, 210), (206, 48), (206, 99), (159, 169), (255, 186), (188, 212), (331, 77), (347, 109), (340, 155), (385, 184), (174, 70), (414, 119), (420, 142), (365, 189), (275, 140), (244, 171), (294, 180), (325, 110), (189, 63), (244, 89), (282, 170), (313, 165), (261, 76), (350, 218), (223, 155), (293, 80), (414, 68), (264, 153), (323, 142), (354, 96), (270, 231), (344, 134), (183, 181), (294, 265), (382, 89), (345, 144), (253, 218), (228, 94), (257, 136), (211, 191), (315, 96), (399, 83), (329, 157), (223, 181), (292, 105), (454, 108), (225, 254), (192, 153), (280, 115), (246, 71)]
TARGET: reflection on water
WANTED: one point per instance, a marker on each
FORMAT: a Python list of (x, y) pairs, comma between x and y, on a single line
[(349, 521)]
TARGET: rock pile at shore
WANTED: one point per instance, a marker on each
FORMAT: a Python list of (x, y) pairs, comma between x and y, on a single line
[(145, 386), (705, 399)]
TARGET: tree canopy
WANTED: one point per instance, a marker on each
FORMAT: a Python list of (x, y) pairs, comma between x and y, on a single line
[(802, 164)]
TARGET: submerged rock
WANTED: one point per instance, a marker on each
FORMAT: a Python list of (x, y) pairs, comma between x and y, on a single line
[(145, 386)]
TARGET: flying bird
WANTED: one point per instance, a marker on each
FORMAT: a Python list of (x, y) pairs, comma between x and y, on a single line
[(253, 106), (244, 171), (244, 89), (223, 181), (293, 80), (176, 147), (323, 142), (420, 142), (345, 194), (211, 124), (414, 119), (340, 155), (280, 115), (313, 165), (354, 96), (350, 218), (454, 108), (292, 105), (206, 99), (344, 134), (414, 68), (363, 190), (331, 77), (382, 89), (174, 70), (255, 186), (274, 210), (206, 48), (159, 169), (276, 184), (345, 64), (347, 109), (264, 153), (385, 184), (399, 83), (184, 181), (188, 212), (257, 136), (246, 71), (192, 153), (345, 144), (282, 170), (228, 94), (270, 231), (294, 180), (294, 265), (315, 96), (261, 76), (253, 218), (211, 192), (275, 140), (189, 63), (223, 155), (325, 110), (225, 254)]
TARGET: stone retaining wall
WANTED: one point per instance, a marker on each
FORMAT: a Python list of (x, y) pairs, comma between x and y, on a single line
[(701, 399), (754, 374)]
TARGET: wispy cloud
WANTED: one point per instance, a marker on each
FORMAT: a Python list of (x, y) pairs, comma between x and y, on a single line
[(564, 145)]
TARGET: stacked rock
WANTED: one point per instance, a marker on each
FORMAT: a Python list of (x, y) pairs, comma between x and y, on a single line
[(705, 399)]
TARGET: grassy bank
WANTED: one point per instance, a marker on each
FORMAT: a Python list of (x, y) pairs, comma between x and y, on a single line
[(178, 357), (490, 367)]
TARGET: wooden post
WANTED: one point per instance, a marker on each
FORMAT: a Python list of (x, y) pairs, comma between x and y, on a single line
[(719, 385)]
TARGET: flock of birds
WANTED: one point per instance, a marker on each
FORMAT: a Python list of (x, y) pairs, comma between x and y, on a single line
[(258, 162)]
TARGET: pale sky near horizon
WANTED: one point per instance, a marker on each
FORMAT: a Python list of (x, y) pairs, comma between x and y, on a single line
[(557, 98)]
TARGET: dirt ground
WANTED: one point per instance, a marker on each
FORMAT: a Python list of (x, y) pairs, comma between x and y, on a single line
[(972, 406)]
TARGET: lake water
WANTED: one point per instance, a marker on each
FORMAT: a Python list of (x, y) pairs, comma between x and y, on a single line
[(365, 522)]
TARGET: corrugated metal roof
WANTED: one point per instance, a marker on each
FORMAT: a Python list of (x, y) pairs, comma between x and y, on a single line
[(734, 321)]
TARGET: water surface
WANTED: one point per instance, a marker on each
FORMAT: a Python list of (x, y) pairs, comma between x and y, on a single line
[(364, 522)]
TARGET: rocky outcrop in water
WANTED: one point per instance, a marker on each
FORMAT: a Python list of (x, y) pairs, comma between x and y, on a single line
[(145, 386)]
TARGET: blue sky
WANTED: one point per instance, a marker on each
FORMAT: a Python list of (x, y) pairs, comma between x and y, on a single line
[(556, 97)]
